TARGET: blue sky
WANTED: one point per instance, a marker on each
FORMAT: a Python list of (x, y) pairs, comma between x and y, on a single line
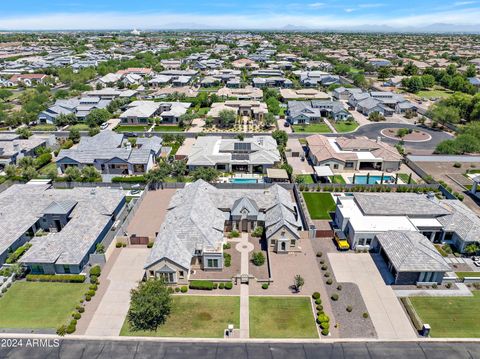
[(149, 14)]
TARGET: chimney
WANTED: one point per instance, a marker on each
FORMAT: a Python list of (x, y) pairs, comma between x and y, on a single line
[(128, 146)]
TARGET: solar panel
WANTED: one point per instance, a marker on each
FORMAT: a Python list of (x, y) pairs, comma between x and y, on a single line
[(242, 147), (240, 156)]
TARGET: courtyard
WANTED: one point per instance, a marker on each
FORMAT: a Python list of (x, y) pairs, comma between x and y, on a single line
[(319, 205)]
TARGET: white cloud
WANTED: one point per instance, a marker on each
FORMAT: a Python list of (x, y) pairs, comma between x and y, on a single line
[(349, 9), (371, 5), (461, 3), (317, 4)]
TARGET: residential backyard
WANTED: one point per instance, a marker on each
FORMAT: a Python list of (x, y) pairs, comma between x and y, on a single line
[(196, 317), (281, 317), (319, 205), (39, 305), (312, 128), (450, 317)]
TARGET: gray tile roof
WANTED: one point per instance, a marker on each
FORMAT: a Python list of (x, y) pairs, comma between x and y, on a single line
[(412, 252), (21, 206), (461, 220), (398, 204)]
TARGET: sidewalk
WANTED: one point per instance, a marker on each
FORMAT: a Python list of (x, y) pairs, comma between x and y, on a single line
[(244, 247), (462, 291)]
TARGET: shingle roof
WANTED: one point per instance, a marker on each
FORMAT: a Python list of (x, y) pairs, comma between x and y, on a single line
[(412, 252)]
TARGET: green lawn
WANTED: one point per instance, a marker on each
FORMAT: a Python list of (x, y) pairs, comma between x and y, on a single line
[(44, 170), (404, 178), (281, 317), (197, 317), (433, 94), (450, 317), (168, 128), (467, 274), (312, 128), (307, 179), (337, 179), (45, 127), (319, 205), (342, 126), (132, 128), (39, 305), (80, 127)]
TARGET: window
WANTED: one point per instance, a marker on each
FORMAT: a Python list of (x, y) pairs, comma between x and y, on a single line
[(349, 165), (212, 263), (180, 274), (152, 273), (292, 242), (272, 242), (361, 241), (66, 269), (335, 167), (369, 241), (168, 277)]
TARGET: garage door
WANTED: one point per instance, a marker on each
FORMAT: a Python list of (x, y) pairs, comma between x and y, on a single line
[(138, 240)]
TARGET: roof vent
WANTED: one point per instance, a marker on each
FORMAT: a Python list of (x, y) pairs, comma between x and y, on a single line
[(431, 195), (93, 191)]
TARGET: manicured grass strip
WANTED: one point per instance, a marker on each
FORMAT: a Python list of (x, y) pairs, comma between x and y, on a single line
[(319, 205), (307, 179), (342, 126), (80, 127), (450, 317), (281, 317), (39, 305), (45, 127), (337, 179), (404, 178), (132, 128), (45, 169), (312, 128), (467, 274), (168, 128), (197, 317), (433, 94)]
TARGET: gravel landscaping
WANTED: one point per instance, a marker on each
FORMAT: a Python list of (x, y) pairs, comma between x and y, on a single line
[(349, 308)]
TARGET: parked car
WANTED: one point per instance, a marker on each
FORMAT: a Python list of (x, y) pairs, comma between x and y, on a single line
[(286, 124), (341, 241), (476, 264), (104, 125)]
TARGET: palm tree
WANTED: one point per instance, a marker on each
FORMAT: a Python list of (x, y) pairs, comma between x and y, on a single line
[(298, 282)]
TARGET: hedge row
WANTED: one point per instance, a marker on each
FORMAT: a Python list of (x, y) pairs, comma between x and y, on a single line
[(130, 179), (13, 257), (201, 284), (65, 278)]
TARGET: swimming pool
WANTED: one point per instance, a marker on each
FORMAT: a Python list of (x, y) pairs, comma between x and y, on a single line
[(243, 180), (372, 180)]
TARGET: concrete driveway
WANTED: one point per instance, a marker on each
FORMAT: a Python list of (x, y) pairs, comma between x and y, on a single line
[(386, 312), (124, 275)]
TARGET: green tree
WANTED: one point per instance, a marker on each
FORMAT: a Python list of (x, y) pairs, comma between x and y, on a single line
[(410, 69), (384, 72), (273, 105), (281, 137), (5, 94), (471, 71), (258, 258), (150, 305), (10, 171), (207, 174), (24, 132), (227, 118), (90, 174), (74, 135), (268, 120), (298, 282), (29, 173), (73, 174), (97, 116)]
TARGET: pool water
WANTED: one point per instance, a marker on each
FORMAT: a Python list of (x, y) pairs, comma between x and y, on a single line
[(372, 179), (243, 180)]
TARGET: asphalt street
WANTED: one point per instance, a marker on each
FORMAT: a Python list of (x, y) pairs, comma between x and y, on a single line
[(102, 349)]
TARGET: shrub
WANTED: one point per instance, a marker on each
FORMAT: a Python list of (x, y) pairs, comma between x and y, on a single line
[(318, 301), (258, 258), (320, 307), (234, 234), (257, 232), (349, 308), (229, 285), (327, 274), (70, 329), (201, 284), (88, 298), (93, 279), (322, 261), (339, 287), (319, 254), (365, 315), (215, 285), (323, 318), (124, 245), (334, 296), (325, 332), (227, 259), (221, 285), (265, 286), (324, 267), (227, 245), (448, 285), (118, 245), (73, 322), (170, 290), (316, 295), (91, 293), (65, 278), (325, 325), (184, 289), (93, 287), (329, 281), (150, 244), (177, 289), (457, 165), (76, 315), (95, 270), (129, 179), (80, 309), (13, 257)]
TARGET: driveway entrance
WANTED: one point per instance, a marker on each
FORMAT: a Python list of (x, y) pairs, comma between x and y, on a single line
[(386, 312)]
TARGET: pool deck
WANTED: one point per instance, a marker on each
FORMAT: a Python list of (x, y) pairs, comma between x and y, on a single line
[(348, 176)]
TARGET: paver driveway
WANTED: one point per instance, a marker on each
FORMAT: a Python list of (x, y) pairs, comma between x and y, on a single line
[(124, 275), (386, 312)]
